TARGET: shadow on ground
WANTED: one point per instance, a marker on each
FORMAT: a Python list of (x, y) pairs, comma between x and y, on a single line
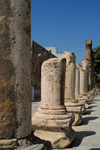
[(79, 137), (86, 120), (88, 112), (96, 99), (90, 107), (94, 149)]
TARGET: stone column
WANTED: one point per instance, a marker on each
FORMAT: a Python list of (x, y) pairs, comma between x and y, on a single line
[(83, 95), (71, 103), (85, 65), (15, 71), (82, 81), (89, 56), (51, 122), (81, 98), (77, 83)]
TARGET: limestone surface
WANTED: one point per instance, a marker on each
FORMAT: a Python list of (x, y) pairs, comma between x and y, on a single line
[(71, 103), (52, 122)]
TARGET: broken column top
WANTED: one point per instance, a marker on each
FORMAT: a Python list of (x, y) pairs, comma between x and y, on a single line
[(85, 64), (70, 56), (88, 41), (52, 83)]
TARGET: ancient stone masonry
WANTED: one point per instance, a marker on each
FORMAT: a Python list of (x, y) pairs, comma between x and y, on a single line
[(89, 56), (71, 103), (15, 71), (39, 55), (52, 122)]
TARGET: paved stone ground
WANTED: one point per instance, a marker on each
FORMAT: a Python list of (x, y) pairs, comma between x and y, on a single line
[(88, 133)]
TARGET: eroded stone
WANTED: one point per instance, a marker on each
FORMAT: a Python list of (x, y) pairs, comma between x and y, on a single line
[(52, 122), (71, 103)]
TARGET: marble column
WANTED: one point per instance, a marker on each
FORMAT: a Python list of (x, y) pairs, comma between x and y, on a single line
[(15, 71), (71, 103), (52, 122)]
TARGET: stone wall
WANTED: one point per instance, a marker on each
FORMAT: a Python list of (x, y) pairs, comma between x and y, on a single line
[(39, 55)]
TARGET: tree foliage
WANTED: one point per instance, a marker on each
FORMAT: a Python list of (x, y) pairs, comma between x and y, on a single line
[(96, 56)]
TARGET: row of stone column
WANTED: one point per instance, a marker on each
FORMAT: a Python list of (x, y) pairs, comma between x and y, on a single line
[(53, 121), (64, 98)]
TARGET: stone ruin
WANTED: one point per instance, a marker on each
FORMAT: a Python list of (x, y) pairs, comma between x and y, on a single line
[(89, 56), (52, 122), (72, 104)]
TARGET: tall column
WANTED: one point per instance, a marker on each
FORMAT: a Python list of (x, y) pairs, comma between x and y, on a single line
[(82, 82), (70, 77), (89, 56), (51, 122), (71, 103), (15, 70), (82, 97), (85, 65), (77, 83)]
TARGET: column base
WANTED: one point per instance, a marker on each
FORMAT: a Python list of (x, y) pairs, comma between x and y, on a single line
[(8, 143), (58, 139), (85, 104), (56, 128), (78, 119), (75, 109)]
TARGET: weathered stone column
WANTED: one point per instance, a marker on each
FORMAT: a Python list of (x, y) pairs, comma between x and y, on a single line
[(84, 97), (15, 71), (70, 77), (51, 122), (85, 65), (77, 83), (81, 98), (71, 103), (89, 56), (82, 81)]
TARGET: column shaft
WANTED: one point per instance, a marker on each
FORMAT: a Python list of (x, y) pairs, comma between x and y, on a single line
[(15, 69)]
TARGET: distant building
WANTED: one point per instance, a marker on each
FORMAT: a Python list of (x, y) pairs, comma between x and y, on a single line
[(52, 50)]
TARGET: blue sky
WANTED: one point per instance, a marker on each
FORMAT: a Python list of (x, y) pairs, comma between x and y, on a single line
[(66, 24)]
